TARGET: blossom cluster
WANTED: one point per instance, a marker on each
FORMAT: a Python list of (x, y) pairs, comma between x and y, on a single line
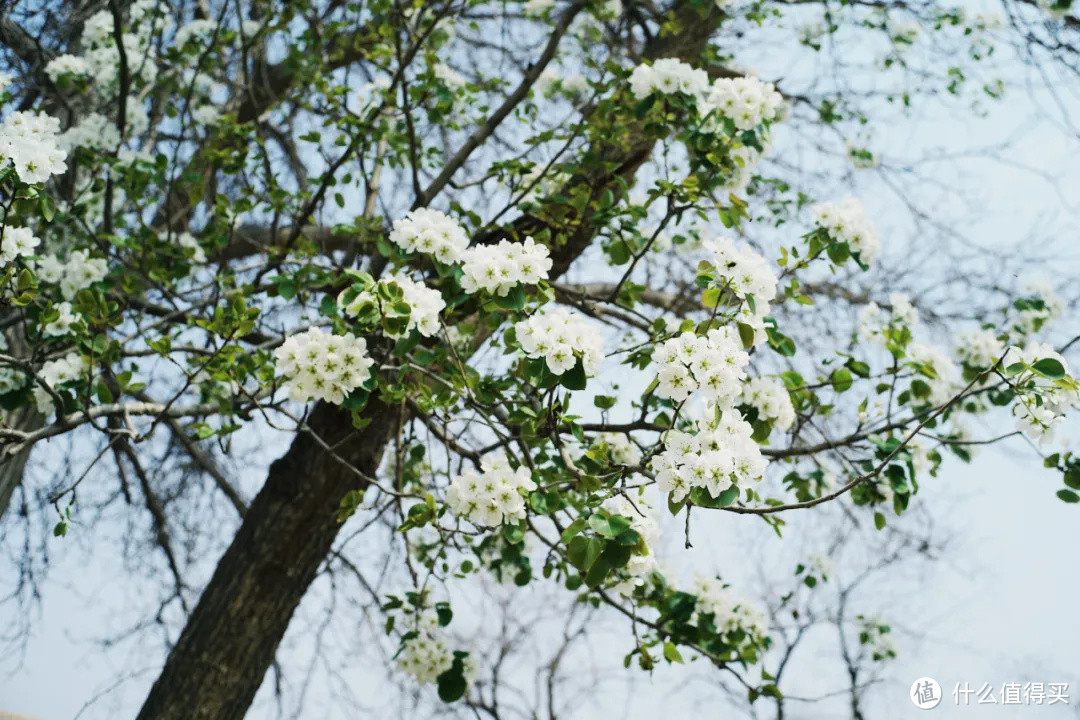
[(771, 399), (78, 272), (668, 76), (874, 320), (748, 275), (30, 141), (424, 303), (426, 654), (622, 449), (716, 456), (65, 322), (746, 101), (1040, 403), (715, 364), (730, 612), (431, 232), (189, 243), (978, 348), (846, 222), (744, 271), (56, 373), (560, 338), (744, 159), (1031, 317), (877, 636), (100, 60), (94, 130), (492, 497), (943, 378), (820, 566), (499, 268), (17, 242), (323, 366)]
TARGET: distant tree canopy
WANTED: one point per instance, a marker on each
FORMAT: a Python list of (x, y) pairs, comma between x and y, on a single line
[(530, 283)]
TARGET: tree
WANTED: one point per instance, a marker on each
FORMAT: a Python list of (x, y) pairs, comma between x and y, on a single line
[(420, 253)]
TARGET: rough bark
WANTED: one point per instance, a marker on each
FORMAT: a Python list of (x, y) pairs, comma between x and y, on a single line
[(218, 664), (232, 635), (25, 418)]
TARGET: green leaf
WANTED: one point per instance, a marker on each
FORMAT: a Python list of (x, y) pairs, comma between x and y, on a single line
[(574, 378), (746, 334), (1072, 478), (671, 653), (452, 683), (838, 252), (103, 393), (48, 207), (841, 380), (513, 300), (573, 529), (879, 520), (1049, 368), (600, 524), (604, 402), (1068, 496), (445, 614), (619, 252)]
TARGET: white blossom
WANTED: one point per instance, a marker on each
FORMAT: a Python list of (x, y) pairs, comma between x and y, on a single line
[(499, 268), (189, 243), (744, 271), (715, 456), (1041, 403), (92, 131), (449, 76), (668, 76), (771, 399), (561, 339), (321, 366), (643, 521), (195, 32), (978, 348), (492, 497), (427, 655), (713, 364), (846, 222), (622, 449), (62, 65), (17, 242), (1028, 318), (730, 610), (425, 304), (746, 101), (431, 232), (946, 376), (30, 141), (64, 324), (538, 7), (56, 373)]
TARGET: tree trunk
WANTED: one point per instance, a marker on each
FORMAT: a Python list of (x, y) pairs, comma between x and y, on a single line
[(230, 639), (229, 642)]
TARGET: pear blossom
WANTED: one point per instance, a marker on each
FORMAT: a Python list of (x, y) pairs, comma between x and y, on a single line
[(561, 339), (490, 498), (431, 232), (321, 366)]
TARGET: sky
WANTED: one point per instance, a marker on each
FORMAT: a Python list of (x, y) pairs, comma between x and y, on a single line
[(1000, 607)]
